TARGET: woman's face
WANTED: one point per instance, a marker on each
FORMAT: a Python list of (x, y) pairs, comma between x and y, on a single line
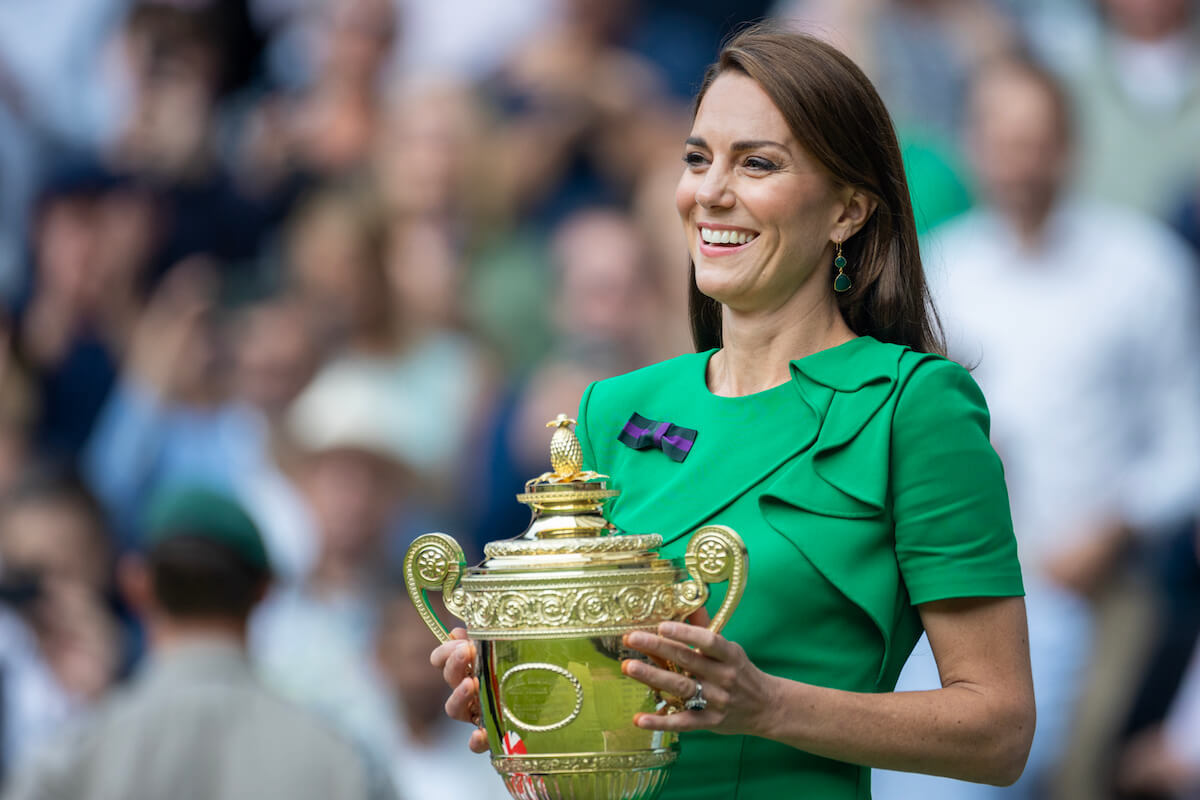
[(758, 211)]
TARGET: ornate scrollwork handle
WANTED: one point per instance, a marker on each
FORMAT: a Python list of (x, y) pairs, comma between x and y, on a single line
[(435, 561), (715, 554)]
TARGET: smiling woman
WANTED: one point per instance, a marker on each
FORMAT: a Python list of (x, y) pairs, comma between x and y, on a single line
[(853, 459)]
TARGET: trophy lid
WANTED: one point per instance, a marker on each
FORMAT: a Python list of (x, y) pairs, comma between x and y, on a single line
[(568, 523)]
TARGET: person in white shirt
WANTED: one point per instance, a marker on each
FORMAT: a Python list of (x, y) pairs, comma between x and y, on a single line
[(1079, 321)]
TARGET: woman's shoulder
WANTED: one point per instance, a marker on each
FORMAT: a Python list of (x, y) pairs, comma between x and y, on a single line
[(867, 361), (932, 380), (671, 375)]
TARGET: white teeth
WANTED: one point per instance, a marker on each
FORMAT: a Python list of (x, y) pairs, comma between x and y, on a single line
[(712, 236)]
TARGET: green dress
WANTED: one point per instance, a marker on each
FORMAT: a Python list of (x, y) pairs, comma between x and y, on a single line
[(864, 485)]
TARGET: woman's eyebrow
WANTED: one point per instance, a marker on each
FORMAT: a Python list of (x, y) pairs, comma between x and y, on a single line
[(754, 144), (749, 144)]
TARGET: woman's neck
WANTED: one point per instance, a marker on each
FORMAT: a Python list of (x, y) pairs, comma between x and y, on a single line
[(757, 347)]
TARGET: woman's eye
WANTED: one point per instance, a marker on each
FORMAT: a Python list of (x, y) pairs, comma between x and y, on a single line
[(761, 164), (693, 159)]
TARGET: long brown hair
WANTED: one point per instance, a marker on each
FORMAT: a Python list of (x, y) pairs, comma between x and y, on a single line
[(835, 113)]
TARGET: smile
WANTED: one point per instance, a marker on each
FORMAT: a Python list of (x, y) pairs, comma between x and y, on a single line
[(724, 241), (726, 236)]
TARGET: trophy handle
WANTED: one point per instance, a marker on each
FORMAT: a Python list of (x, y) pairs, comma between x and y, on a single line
[(715, 553), (434, 561)]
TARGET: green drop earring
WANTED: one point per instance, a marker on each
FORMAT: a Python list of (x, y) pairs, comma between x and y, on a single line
[(842, 282)]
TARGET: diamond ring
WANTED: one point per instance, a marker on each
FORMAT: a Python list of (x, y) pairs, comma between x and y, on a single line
[(696, 702)]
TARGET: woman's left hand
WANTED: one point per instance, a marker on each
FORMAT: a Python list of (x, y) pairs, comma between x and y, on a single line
[(740, 697)]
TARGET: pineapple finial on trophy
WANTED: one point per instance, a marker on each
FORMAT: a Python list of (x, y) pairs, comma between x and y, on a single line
[(566, 456)]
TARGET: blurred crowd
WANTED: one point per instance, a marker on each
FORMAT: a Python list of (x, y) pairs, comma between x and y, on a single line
[(340, 261)]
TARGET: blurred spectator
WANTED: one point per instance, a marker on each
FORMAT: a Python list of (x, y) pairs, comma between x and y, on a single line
[(336, 245), (1082, 321), (1164, 761), (1186, 218), (466, 39), (314, 638), (428, 153), (60, 89), (1139, 105), (177, 61), (202, 398), (1061, 33), (577, 108), (385, 298), (213, 730), (169, 418), (603, 310), (322, 123), (1161, 760), (935, 181), (58, 71), (18, 413), (92, 235), (275, 354), (333, 122), (430, 757), (919, 53), (656, 216), (61, 641)]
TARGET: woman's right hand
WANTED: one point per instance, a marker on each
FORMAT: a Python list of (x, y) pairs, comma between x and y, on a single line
[(456, 660)]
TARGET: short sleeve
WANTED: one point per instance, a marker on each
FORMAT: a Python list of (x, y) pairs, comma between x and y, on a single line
[(954, 534), (581, 430)]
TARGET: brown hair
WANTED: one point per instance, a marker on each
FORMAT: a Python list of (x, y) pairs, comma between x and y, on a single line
[(195, 577), (834, 111)]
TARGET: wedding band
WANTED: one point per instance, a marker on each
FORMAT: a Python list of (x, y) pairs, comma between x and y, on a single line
[(696, 702)]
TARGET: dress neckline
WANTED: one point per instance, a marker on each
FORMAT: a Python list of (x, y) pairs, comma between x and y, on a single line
[(770, 392)]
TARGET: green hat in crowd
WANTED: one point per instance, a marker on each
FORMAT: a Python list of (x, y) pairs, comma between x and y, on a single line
[(206, 514)]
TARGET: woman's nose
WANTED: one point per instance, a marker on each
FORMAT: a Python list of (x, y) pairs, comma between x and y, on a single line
[(714, 191)]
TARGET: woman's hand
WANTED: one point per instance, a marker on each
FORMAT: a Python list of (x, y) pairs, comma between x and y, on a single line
[(456, 660), (740, 696)]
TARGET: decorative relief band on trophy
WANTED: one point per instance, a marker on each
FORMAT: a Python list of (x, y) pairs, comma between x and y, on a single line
[(547, 611)]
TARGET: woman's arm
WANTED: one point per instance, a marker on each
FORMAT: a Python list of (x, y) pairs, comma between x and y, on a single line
[(977, 727)]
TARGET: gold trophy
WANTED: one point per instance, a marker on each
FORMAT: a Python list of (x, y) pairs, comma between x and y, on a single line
[(547, 610)]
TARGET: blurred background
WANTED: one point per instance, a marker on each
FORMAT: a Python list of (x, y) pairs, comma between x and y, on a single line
[(342, 259)]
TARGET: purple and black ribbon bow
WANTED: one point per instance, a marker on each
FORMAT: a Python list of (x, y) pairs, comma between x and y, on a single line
[(641, 434)]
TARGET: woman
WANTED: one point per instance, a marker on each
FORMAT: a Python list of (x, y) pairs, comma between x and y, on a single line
[(852, 459)]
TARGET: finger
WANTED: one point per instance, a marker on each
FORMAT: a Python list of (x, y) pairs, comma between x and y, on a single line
[(667, 650), (700, 617), (461, 703), (458, 663), (445, 649), (479, 742), (713, 645), (661, 679), (678, 721)]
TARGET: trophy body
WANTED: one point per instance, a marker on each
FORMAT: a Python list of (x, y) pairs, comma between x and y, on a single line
[(547, 611)]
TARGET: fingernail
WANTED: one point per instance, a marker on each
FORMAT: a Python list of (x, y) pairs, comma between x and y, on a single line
[(668, 628), (636, 638)]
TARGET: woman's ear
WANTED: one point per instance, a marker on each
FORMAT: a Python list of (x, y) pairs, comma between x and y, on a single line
[(857, 208)]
